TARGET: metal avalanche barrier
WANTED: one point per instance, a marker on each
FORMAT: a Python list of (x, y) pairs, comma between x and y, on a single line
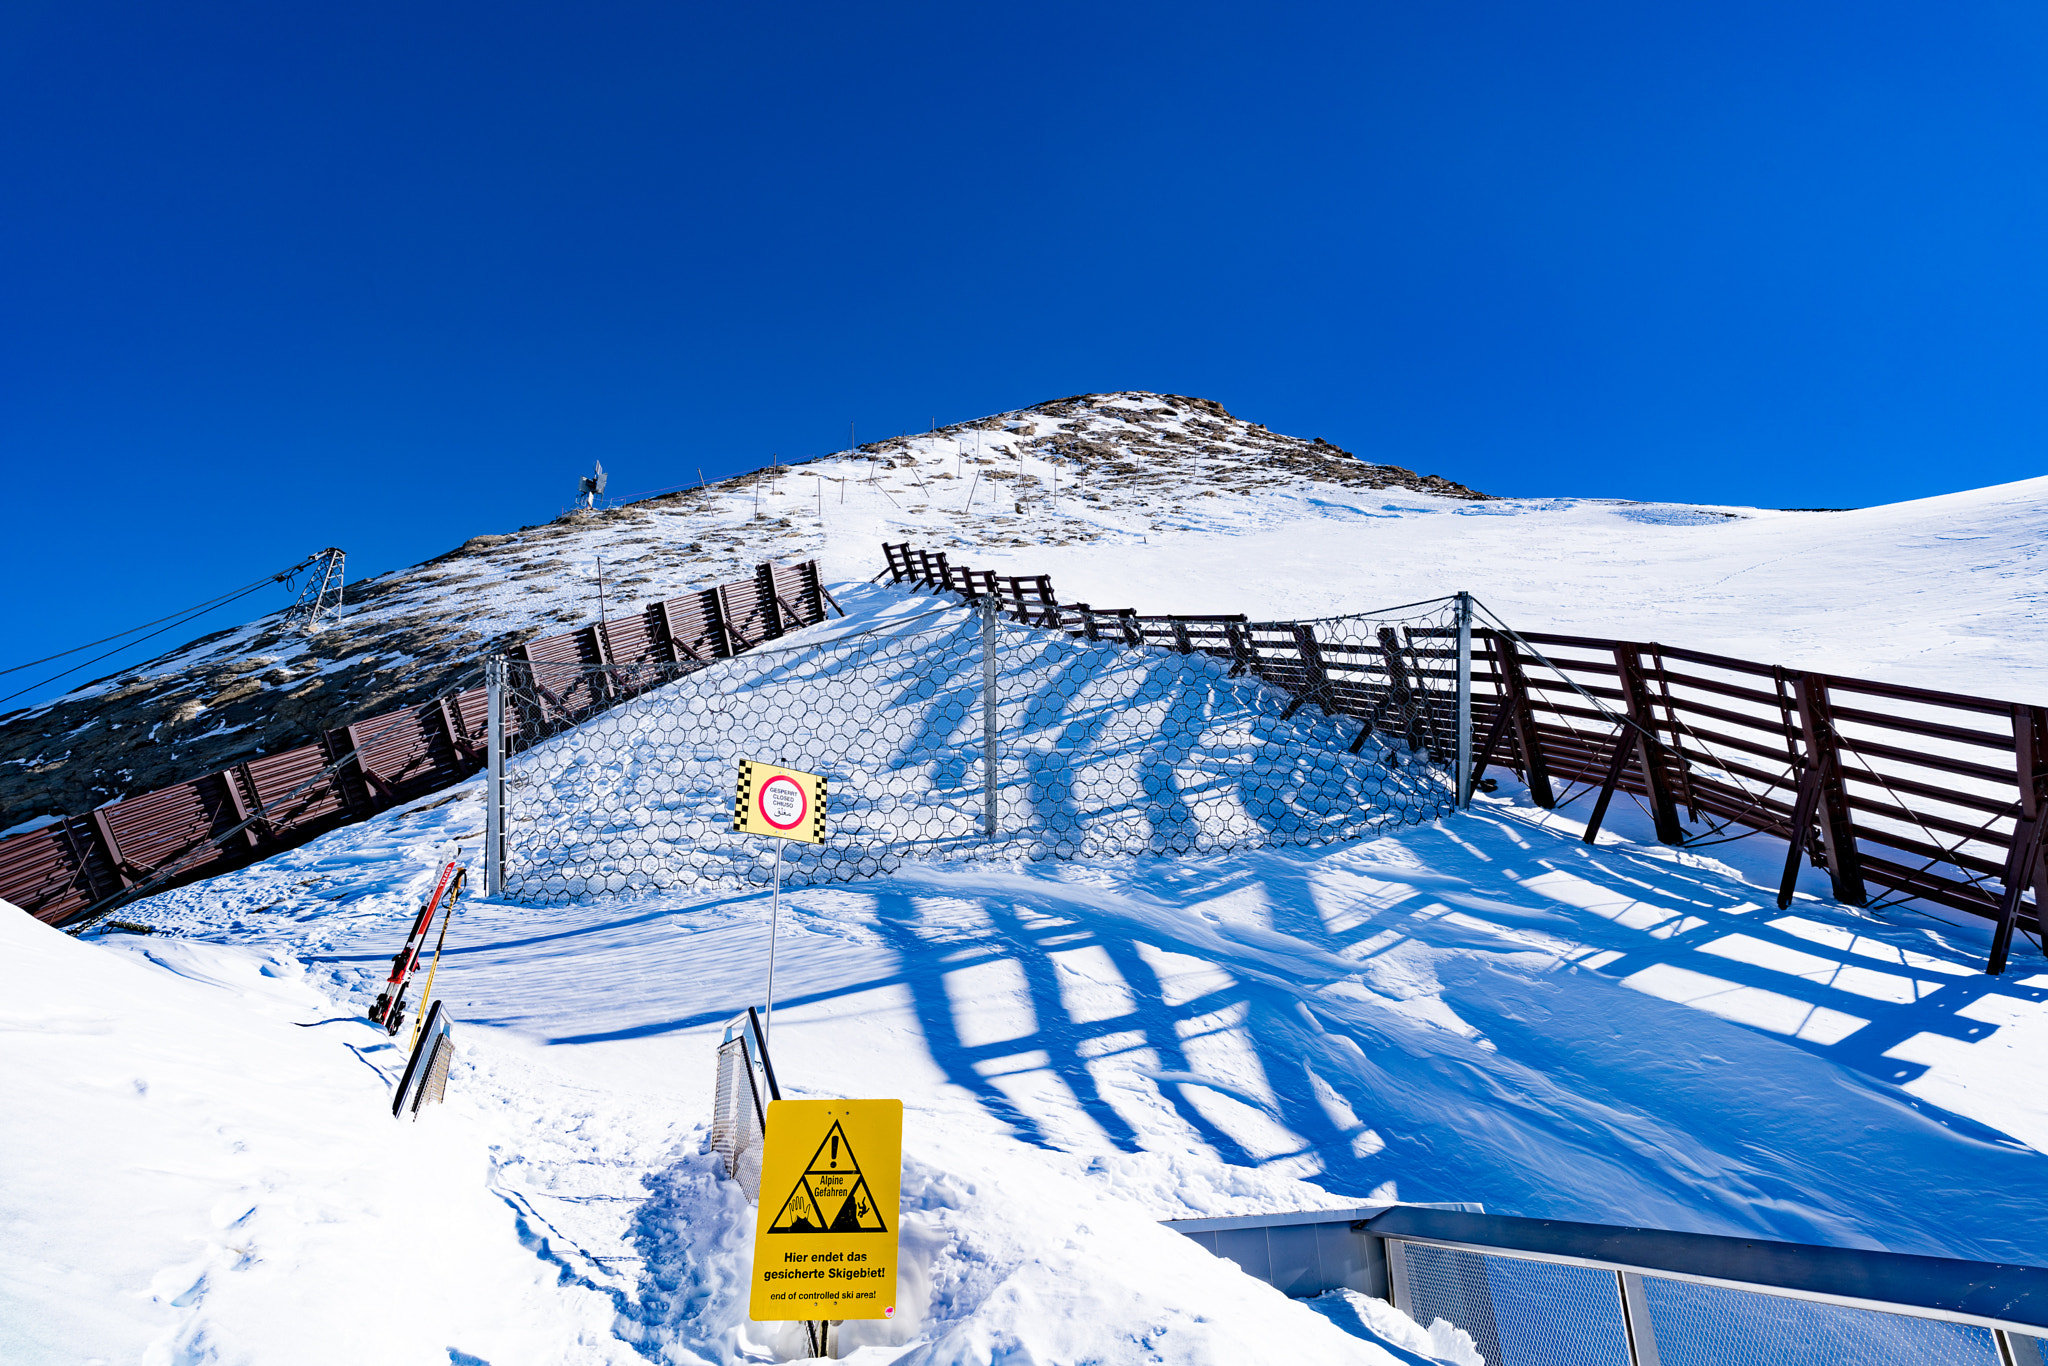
[(1900, 794), (1542, 1292), (957, 734)]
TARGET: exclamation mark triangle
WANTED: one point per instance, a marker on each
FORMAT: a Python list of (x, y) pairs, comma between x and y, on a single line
[(832, 1194)]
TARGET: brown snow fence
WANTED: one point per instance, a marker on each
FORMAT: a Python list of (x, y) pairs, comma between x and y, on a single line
[(1898, 793), (81, 867)]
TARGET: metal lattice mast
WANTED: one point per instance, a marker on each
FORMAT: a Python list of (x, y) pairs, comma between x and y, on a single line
[(319, 602)]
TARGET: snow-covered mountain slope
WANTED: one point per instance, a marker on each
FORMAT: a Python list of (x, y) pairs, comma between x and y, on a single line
[(261, 687), (1143, 500), (1480, 1009), (1948, 592)]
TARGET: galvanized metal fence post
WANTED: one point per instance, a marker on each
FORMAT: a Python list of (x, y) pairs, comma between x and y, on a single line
[(988, 717), (494, 782), (1636, 1324), (1464, 700)]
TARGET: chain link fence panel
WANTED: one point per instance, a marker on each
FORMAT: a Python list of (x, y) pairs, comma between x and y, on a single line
[(956, 734)]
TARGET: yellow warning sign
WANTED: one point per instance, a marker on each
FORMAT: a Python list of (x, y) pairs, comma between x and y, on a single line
[(825, 1237), (779, 801)]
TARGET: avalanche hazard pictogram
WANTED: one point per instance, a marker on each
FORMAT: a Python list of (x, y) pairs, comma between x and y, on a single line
[(831, 1196)]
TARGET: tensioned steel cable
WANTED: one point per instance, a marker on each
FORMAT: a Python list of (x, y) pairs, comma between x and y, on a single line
[(176, 619)]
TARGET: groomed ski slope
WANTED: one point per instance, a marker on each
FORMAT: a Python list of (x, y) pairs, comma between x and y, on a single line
[(1944, 592), (1483, 1009)]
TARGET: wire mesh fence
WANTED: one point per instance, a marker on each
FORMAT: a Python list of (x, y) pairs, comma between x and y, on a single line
[(957, 734)]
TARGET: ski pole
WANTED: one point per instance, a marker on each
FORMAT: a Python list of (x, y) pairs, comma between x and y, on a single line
[(419, 1021), (390, 1005)]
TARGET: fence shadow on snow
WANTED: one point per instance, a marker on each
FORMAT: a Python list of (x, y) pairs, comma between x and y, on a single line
[(1093, 1020)]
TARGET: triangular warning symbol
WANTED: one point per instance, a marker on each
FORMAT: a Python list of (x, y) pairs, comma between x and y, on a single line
[(831, 1196)]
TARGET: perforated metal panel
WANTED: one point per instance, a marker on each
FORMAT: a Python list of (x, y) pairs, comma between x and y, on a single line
[(736, 1114), (1703, 1325), (1444, 1284), (1520, 1313), (434, 1089)]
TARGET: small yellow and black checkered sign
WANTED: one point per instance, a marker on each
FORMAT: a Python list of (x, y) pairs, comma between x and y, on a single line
[(780, 802)]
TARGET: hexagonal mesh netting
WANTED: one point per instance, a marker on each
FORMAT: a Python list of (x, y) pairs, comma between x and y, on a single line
[(957, 734)]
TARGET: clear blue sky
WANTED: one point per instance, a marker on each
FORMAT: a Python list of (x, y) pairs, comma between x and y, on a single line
[(279, 275)]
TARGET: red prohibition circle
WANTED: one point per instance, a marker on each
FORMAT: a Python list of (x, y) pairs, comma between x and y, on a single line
[(803, 802)]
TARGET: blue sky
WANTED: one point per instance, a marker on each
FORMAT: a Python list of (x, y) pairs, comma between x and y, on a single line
[(386, 276)]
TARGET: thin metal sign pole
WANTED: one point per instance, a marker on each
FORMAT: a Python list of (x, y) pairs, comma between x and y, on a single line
[(988, 717), (774, 923), (1464, 700), (494, 784)]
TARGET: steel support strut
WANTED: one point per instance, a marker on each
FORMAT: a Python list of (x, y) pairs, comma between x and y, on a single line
[(494, 782), (1464, 769), (988, 718)]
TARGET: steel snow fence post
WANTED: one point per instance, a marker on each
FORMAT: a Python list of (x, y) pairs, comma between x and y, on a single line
[(1464, 700), (1628, 667), (1242, 655), (2024, 866), (1838, 834), (1515, 684), (2019, 871), (1804, 805), (494, 782), (1636, 1324), (989, 608)]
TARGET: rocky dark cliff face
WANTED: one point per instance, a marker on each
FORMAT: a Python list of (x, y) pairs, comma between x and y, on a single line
[(257, 688)]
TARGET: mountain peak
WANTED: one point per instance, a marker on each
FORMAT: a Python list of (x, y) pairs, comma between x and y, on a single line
[(1110, 467)]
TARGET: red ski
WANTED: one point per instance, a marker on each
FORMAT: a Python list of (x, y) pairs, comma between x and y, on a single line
[(390, 1008)]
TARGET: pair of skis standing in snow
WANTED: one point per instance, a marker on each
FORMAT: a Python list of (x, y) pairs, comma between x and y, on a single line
[(389, 1010), (426, 1073)]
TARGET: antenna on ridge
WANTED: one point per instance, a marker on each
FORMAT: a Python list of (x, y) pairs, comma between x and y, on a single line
[(319, 602), (591, 487)]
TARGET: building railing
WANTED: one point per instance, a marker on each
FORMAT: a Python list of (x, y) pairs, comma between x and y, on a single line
[(1535, 1291)]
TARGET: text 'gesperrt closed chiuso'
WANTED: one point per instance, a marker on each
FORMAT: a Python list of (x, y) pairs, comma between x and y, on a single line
[(785, 803), (825, 1236)]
